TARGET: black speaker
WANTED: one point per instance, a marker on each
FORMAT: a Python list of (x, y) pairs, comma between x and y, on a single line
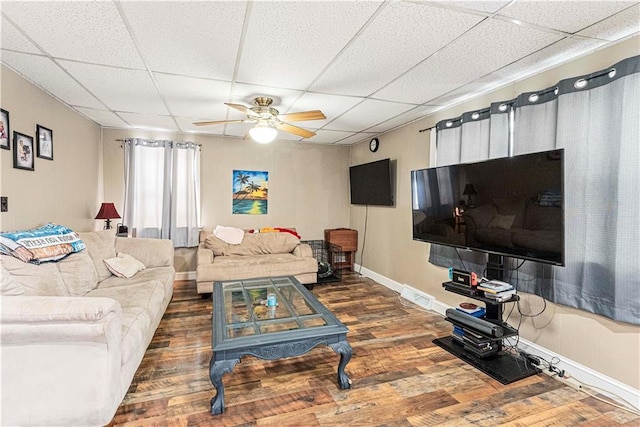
[(467, 321)]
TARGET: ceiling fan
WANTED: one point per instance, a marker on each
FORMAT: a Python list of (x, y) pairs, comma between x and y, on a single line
[(268, 120)]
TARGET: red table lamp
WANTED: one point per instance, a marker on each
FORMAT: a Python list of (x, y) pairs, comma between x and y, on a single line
[(108, 211)]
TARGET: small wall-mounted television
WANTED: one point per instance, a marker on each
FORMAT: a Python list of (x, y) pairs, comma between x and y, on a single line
[(512, 206), (372, 183)]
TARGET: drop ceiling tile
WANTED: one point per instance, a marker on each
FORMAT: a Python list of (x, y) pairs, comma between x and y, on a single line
[(239, 130), (148, 121), (381, 53), (569, 16), (331, 105), (489, 6), (491, 45), (194, 97), (562, 51), (288, 44), (404, 118), (616, 27), (366, 114), (119, 89), (12, 39), (46, 74), (355, 138), (200, 38), (328, 136), (83, 31), (104, 118)]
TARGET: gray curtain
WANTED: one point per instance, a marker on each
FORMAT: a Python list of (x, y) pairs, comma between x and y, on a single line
[(598, 126), (162, 190), (595, 118)]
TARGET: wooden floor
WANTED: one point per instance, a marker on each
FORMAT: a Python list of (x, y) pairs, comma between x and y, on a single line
[(400, 378)]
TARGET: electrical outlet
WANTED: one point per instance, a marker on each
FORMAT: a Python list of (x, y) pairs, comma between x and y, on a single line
[(4, 204)]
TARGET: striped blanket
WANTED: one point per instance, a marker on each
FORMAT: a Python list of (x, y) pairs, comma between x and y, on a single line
[(50, 242)]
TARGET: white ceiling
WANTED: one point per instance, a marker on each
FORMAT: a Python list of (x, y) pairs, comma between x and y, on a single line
[(370, 66)]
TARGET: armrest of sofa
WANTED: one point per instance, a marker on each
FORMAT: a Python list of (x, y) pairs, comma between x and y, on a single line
[(61, 360), (35, 319), (151, 252), (204, 255), (303, 250)]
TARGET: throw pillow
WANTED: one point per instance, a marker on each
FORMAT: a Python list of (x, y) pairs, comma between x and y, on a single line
[(124, 265), (230, 235), (8, 285), (502, 221)]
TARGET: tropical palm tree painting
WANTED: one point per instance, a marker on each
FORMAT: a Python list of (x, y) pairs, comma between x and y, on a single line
[(250, 192)]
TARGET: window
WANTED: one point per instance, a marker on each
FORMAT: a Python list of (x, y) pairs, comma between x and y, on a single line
[(162, 190)]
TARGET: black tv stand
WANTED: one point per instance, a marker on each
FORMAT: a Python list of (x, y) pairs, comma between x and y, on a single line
[(503, 366)]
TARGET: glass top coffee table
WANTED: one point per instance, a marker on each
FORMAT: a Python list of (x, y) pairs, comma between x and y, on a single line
[(246, 322)]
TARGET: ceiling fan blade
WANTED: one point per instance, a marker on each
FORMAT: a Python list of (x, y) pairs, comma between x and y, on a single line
[(248, 111), (295, 130), (303, 116), (218, 122)]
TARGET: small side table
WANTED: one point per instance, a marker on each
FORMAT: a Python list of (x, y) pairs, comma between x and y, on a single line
[(345, 239)]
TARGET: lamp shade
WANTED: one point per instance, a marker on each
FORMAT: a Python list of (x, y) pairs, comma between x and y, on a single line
[(108, 211), (469, 190), (263, 133)]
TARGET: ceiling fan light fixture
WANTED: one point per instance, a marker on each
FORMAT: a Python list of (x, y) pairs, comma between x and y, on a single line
[(263, 133)]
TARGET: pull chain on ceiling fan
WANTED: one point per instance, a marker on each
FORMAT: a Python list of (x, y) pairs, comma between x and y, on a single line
[(268, 120)]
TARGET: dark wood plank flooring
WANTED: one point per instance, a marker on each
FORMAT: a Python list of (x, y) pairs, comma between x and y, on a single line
[(400, 378)]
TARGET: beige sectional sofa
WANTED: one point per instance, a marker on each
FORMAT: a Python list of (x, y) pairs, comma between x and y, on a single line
[(73, 334), (258, 255)]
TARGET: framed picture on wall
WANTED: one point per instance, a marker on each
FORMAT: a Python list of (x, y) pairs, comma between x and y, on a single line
[(45, 142), (22, 151), (5, 131)]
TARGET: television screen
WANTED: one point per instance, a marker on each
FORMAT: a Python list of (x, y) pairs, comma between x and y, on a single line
[(511, 206), (371, 183)]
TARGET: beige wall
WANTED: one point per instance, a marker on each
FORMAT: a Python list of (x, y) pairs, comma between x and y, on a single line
[(606, 346), (65, 190), (308, 184)]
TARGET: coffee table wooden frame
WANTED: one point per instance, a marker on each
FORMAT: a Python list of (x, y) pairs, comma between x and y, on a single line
[(227, 350)]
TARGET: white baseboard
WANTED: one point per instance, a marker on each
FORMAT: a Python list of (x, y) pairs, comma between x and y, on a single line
[(186, 275), (391, 284), (600, 382)]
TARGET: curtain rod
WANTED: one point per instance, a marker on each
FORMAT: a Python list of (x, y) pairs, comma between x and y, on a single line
[(190, 142), (426, 129)]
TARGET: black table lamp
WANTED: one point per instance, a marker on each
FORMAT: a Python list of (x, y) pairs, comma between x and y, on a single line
[(108, 211), (469, 190)]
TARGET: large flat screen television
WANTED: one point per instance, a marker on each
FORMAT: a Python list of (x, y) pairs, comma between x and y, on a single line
[(372, 183), (511, 206)]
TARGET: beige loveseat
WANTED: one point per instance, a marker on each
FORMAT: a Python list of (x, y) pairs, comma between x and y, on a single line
[(258, 255), (73, 334)]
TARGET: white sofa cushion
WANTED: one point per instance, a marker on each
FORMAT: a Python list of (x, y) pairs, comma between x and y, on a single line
[(8, 285), (161, 274), (37, 280), (142, 305), (254, 244), (101, 246), (78, 273)]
